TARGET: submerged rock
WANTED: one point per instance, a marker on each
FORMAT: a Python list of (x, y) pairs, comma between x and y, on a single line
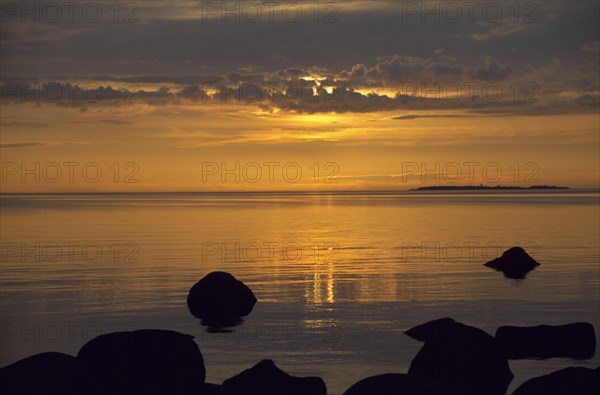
[(569, 381), (463, 358), (577, 340), (515, 263), (267, 379), (143, 362), (220, 300), (395, 384), (49, 373)]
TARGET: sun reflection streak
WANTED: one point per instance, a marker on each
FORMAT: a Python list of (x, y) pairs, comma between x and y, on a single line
[(322, 284)]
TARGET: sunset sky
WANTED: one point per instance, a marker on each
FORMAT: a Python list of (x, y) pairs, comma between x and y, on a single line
[(252, 96)]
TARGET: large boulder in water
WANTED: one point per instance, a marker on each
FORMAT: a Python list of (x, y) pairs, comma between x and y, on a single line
[(395, 384), (214, 389), (515, 263), (431, 330), (463, 358), (267, 379), (49, 373), (144, 362), (569, 381), (219, 299), (577, 340)]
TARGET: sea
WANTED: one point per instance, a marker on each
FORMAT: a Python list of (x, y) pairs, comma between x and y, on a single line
[(339, 276)]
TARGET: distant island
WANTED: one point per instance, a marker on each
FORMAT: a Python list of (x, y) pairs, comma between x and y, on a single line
[(485, 188)]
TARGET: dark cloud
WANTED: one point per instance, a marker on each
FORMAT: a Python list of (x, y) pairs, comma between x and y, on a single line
[(156, 79), (397, 69), (24, 124), (107, 121), (592, 101), (442, 69), (177, 41), (413, 116), (21, 145), (329, 93), (593, 46), (491, 70)]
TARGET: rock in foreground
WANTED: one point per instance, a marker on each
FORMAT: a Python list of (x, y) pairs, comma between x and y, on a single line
[(143, 362), (577, 340), (431, 330), (569, 381), (463, 358), (49, 373), (267, 379), (515, 263), (219, 299), (395, 384)]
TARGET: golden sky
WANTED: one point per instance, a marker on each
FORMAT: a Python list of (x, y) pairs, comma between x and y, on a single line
[(348, 96)]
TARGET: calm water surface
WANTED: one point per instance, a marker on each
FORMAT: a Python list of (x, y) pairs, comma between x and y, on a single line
[(338, 276)]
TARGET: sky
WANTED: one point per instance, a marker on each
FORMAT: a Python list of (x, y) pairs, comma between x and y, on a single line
[(290, 96)]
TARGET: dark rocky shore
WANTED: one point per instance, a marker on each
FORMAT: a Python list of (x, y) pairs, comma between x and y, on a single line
[(456, 359)]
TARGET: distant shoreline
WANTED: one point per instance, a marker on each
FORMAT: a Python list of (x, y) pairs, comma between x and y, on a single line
[(486, 188), (440, 188)]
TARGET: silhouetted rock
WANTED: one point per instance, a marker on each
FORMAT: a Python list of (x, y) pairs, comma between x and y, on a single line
[(576, 340), (267, 379), (465, 359), (569, 381), (144, 362), (430, 330), (515, 263), (220, 300), (214, 389), (396, 384), (49, 373)]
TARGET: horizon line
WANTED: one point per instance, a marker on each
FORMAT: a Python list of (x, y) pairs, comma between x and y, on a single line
[(267, 192)]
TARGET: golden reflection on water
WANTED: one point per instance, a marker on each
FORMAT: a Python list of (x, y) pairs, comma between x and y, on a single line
[(321, 289), (351, 248)]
